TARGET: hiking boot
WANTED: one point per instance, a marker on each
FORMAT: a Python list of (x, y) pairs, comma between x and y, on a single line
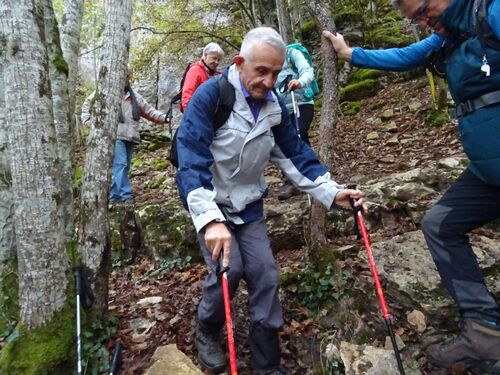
[(476, 346), (272, 371), (210, 353), (287, 191)]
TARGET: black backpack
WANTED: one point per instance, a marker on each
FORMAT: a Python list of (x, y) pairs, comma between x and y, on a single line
[(222, 111), (178, 97)]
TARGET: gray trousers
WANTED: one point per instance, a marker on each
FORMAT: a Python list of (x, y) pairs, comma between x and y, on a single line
[(468, 204), (252, 260)]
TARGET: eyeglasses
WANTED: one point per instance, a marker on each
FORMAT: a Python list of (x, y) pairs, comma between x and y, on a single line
[(420, 13)]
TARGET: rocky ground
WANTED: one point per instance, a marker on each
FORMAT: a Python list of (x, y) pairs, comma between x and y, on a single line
[(156, 303)]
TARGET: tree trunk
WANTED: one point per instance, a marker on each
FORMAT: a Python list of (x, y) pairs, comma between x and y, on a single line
[(284, 23), (42, 259), (95, 242), (329, 116), (8, 306), (70, 28), (58, 72), (295, 7)]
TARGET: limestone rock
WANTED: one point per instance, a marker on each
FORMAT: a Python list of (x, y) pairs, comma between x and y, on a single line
[(168, 360)]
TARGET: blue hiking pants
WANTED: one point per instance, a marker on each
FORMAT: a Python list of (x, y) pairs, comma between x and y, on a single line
[(468, 204), (120, 185), (252, 260)]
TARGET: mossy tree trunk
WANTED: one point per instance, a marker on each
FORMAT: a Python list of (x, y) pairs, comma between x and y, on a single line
[(42, 259), (95, 240), (320, 10)]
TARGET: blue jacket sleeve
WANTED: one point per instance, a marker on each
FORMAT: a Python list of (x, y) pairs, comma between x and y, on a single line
[(494, 17), (194, 137), (396, 59)]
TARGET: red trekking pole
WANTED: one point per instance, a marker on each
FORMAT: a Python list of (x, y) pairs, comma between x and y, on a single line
[(229, 321), (360, 227)]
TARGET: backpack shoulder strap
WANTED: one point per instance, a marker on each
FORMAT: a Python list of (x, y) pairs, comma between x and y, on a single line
[(225, 102)]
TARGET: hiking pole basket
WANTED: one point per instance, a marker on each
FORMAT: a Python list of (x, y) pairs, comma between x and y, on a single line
[(229, 321), (361, 229)]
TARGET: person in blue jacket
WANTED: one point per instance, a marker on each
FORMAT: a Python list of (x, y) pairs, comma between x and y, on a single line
[(469, 55), (296, 76), (221, 180)]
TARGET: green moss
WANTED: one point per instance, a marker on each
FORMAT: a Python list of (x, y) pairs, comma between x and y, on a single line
[(60, 64), (350, 108), (437, 118), (9, 299), (159, 164), (358, 75), (347, 16), (308, 27), (359, 90), (156, 182), (44, 350), (378, 105)]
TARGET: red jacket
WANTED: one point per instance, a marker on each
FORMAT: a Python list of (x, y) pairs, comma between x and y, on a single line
[(196, 75)]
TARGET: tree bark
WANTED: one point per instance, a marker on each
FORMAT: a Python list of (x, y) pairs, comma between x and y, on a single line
[(42, 259), (284, 23), (95, 241), (329, 117), (7, 240), (58, 72), (295, 7), (70, 28)]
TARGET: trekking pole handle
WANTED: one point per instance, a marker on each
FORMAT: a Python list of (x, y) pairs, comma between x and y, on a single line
[(78, 280)]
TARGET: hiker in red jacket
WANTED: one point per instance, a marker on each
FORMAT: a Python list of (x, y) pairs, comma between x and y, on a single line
[(200, 71)]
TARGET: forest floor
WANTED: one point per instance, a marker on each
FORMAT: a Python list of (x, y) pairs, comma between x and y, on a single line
[(302, 339)]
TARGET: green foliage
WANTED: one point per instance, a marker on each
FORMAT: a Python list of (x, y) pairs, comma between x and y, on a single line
[(437, 118), (94, 338), (168, 266), (317, 288), (44, 350), (77, 180)]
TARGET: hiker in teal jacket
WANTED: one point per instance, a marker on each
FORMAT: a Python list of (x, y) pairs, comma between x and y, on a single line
[(296, 75), (470, 58)]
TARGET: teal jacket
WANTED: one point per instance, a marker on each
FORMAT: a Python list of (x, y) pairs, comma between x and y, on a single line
[(296, 65), (479, 130)]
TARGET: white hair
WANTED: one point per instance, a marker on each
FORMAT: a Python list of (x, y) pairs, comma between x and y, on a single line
[(258, 36), (212, 49)]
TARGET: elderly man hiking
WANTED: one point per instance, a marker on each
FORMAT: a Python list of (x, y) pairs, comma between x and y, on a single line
[(466, 48), (221, 181)]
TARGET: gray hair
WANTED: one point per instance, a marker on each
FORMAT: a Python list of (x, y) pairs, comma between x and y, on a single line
[(212, 49), (258, 36)]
